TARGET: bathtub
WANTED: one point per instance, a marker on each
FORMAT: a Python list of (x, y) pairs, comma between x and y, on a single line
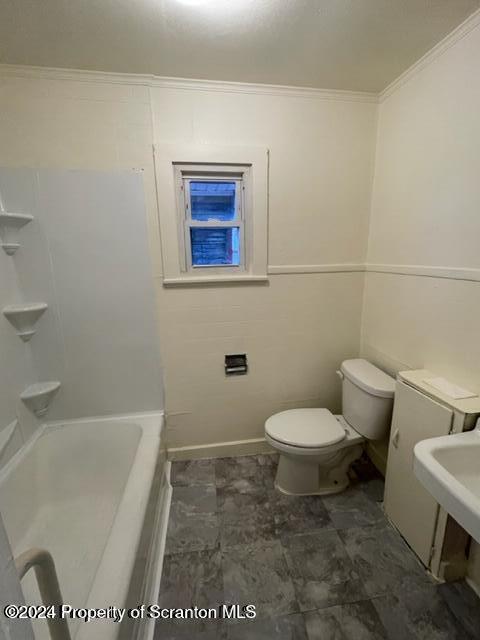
[(86, 490)]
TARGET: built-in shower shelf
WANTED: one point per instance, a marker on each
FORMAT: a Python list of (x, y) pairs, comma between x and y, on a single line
[(10, 223), (39, 396), (23, 317)]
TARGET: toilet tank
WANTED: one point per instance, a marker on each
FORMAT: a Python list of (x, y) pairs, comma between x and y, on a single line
[(367, 398)]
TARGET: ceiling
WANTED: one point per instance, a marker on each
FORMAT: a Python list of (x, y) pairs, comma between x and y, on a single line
[(332, 44)]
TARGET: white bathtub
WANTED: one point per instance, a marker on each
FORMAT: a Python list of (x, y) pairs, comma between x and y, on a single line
[(81, 490)]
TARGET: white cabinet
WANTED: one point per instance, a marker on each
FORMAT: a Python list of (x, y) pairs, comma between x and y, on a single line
[(419, 413), (408, 505)]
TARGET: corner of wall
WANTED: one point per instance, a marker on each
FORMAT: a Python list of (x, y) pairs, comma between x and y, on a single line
[(370, 218)]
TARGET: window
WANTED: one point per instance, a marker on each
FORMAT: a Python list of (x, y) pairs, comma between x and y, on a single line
[(212, 205), (213, 217)]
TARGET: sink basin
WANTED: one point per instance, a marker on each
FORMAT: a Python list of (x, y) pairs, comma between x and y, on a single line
[(449, 468)]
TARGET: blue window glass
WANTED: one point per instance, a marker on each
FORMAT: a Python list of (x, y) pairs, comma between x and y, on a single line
[(212, 200), (215, 246)]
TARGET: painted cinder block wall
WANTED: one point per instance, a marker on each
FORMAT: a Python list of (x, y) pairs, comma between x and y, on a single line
[(297, 328), (425, 220)]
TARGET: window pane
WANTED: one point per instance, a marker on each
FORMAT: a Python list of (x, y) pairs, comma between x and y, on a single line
[(212, 200), (215, 246)]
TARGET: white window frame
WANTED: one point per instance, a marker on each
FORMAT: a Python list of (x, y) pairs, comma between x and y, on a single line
[(187, 173), (176, 162)]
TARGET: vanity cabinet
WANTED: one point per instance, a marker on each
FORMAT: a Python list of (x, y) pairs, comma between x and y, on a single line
[(421, 412)]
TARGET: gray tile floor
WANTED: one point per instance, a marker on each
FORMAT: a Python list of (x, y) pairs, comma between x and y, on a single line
[(316, 568)]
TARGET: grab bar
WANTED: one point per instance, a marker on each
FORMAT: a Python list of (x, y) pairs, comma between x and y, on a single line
[(42, 562)]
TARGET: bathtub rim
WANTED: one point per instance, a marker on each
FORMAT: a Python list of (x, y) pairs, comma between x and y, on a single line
[(152, 426), (117, 586), (59, 424), (145, 630)]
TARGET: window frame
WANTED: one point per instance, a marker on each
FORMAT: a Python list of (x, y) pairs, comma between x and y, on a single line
[(185, 173), (169, 154)]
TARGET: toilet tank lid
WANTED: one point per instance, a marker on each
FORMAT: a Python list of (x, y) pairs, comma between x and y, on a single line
[(368, 377)]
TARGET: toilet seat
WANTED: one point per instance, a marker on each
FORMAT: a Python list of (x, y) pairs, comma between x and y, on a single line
[(305, 428)]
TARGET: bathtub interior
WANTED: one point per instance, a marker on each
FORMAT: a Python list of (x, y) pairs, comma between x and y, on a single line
[(63, 495)]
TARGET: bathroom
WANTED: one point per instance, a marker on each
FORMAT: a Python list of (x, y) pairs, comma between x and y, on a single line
[(178, 431)]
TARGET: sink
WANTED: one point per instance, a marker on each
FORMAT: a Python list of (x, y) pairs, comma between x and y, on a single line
[(449, 468)]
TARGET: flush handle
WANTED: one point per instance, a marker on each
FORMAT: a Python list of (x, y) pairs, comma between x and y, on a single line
[(395, 438), (340, 374)]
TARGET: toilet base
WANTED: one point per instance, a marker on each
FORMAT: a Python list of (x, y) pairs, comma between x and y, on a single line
[(321, 474)]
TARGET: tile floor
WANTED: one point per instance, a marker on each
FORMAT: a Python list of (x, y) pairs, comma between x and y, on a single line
[(316, 568)]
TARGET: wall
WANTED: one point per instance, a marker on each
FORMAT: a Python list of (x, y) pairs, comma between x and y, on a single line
[(16, 371), (86, 255), (297, 329), (425, 211), (76, 125), (425, 220)]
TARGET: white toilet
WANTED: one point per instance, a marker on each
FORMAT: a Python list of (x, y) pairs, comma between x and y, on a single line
[(317, 448)]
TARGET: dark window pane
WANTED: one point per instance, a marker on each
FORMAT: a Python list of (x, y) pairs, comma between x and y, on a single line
[(212, 200), (215, 246)]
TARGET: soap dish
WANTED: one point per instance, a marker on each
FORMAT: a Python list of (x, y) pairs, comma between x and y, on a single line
[(24, 316), (38, 397), (10, 223)]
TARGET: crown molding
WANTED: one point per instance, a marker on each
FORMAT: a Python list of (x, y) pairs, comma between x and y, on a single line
[(185, 84), (433, 54), (77, 75), (190, 84), (263, 89)]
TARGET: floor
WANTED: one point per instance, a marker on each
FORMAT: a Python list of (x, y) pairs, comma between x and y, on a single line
[(316, 568)]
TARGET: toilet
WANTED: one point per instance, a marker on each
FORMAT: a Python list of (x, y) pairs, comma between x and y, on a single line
[(316, 447)]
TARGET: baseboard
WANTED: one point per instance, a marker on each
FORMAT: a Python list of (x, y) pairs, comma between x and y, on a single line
[(221, 450), (146, 630)]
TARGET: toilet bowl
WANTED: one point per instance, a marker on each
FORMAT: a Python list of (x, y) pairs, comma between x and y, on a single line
[(316, 447)]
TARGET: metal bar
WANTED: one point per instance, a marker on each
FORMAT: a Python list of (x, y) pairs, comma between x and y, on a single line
[(42, 562)]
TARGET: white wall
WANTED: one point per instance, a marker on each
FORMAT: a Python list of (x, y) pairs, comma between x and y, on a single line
[(106, 340), (321, 162), (86, 255), (426, 218), (69, 125), (425, 211), (16, 370), (297, 329)]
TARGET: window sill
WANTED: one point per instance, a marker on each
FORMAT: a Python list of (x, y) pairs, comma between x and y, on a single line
[(214, 279)]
